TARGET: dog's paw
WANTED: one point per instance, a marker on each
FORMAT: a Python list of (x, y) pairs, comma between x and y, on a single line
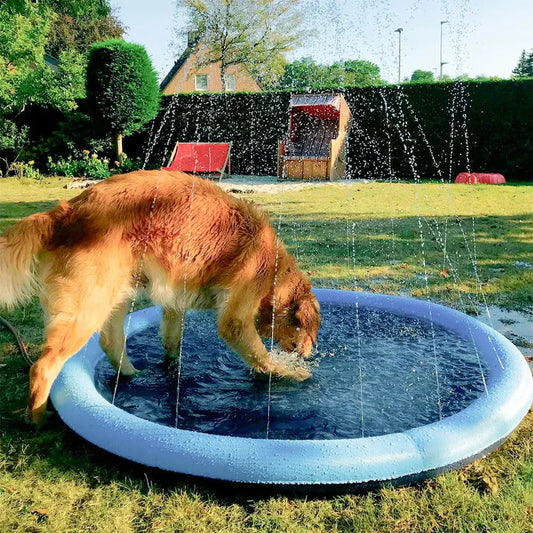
[(289, 365), (128, 371), (37, 417), (300, 374), (297, 373)]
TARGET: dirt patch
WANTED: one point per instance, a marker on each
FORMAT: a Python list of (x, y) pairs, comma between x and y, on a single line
[(80, 183), (517, 326), (270, 185)]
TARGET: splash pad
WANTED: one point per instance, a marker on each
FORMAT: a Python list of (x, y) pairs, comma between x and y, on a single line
[(321, 455)]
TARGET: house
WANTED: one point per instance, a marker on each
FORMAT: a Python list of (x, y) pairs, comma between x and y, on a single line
[(51, 62), (48, 60), (187, 75)]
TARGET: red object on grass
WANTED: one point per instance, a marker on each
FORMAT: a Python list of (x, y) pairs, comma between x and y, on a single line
[(200, 157), (478, 177)]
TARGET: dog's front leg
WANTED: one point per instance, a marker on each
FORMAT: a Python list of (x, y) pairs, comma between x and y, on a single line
[(241, 336), (172, 331)]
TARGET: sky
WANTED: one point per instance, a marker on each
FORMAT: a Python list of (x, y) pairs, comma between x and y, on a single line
[(482, 37)]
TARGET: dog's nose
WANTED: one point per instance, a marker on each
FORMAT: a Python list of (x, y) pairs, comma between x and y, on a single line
[(305, 347)]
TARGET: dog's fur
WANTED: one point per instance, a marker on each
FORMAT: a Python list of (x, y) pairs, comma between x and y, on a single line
[(187, 241)]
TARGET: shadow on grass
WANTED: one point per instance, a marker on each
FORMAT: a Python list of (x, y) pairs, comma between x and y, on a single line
[(490, 258), (493, 254), (14, 211)]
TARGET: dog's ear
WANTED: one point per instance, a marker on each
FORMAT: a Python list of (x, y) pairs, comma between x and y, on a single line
[(308, 315)]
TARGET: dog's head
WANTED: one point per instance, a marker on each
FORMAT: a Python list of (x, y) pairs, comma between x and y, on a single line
[(296, 319)]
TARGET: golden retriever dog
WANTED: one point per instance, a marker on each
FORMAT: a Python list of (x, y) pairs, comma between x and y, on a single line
[(192, 246)]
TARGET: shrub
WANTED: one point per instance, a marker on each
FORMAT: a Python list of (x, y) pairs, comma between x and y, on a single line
[(60, 135), (492, 129), (13, 139), (122, 87), (24, 170), (127, 165), (498, 114), (87, 165), (90, 165)]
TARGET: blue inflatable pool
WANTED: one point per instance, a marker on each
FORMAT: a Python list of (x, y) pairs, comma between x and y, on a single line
[(400, 456)]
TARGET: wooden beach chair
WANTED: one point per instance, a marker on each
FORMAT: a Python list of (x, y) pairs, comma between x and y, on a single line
[(318, 128)]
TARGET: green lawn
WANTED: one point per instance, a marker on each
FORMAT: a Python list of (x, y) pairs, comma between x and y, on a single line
[(472, 243)]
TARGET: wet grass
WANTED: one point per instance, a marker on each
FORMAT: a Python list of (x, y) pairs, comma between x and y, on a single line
[(51, 480)]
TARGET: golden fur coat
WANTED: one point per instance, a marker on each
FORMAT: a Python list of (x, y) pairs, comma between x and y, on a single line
[(182, 238)]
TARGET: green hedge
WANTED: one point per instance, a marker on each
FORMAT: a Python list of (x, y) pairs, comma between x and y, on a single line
[(386, 140), (253, 122), (397, 132)]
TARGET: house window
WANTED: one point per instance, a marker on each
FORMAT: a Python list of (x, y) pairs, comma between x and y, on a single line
[(229, 81), (201, 82)]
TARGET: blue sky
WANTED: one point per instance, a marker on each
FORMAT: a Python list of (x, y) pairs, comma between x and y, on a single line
[(482, 37)]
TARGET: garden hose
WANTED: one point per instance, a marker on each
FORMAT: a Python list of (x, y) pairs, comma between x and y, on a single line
[(20, 343)]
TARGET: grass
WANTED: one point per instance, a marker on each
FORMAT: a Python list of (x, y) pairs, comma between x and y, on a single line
[(474, 241), (52, 480)]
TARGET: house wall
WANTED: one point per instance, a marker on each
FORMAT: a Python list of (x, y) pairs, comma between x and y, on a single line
[(184, 79)]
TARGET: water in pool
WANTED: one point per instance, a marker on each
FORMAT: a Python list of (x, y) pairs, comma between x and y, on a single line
[(389, 385)]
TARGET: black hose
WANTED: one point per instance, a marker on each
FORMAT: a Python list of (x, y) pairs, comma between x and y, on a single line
[(20, 343)]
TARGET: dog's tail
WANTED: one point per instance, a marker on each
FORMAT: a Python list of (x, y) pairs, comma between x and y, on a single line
[(19, 247)]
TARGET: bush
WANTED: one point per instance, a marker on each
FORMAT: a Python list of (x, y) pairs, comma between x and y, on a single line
[(61, 135), (13, 139), (90, 165), (127, 165), (86, 165), (386, 121), (122, 87), (24, 170)]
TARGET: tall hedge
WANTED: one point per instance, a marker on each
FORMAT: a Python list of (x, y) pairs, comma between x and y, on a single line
[(122, 87), (426, 131)]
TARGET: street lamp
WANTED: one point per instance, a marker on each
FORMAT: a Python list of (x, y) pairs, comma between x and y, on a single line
[(442, 22), (399, 32)]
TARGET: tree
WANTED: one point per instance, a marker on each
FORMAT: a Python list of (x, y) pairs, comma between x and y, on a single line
[(92, 9), (362, 73), (300, 75), (251, 33), (25, 78), (27, 33), (122, 88), (80, 23), (73, 24), (305, 74), (78, 34), (422, 76), (524, 69)]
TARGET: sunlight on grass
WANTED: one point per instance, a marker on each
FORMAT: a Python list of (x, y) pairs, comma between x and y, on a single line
[(453, 228)]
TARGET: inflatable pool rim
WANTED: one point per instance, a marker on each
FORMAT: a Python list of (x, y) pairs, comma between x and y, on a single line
[(399, 458)]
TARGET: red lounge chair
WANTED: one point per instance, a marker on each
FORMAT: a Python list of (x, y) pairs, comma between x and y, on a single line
[(477, 177), (201, 158)]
